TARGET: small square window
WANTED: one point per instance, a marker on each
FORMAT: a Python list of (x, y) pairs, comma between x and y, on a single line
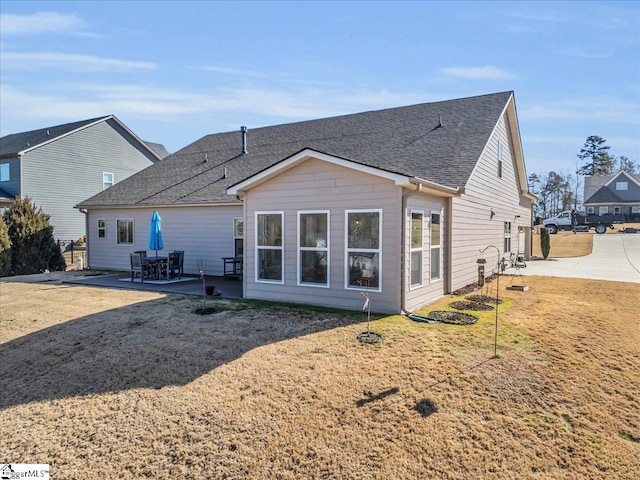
[(622, 185)]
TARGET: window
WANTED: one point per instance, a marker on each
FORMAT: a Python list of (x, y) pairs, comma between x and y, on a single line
[(416, 248), (238, 237), (603, 210), (102, 228), (363, 249), (436, 268), (616, 210), (590, 210), (269, 248), (313, 248), (622, 185), (107, 180), (507, 237), (500, 152), (5, 172), (125, 231)]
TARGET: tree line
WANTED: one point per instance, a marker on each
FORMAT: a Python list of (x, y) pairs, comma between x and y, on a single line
[(559, 191)]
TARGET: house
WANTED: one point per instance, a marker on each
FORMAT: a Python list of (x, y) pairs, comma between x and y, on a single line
[(396, 202), (59, 166), (617, 194)]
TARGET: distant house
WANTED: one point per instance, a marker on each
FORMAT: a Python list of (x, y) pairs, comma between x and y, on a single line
[(396, 202), (617, 194), (62, 165)]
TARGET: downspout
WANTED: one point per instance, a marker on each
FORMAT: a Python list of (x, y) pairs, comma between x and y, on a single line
[(403, 259)]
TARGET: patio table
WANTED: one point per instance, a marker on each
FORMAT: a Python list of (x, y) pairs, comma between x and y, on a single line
[(156, 266)]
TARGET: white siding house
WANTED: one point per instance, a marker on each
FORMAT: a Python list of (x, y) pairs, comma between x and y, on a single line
[(394, 203)]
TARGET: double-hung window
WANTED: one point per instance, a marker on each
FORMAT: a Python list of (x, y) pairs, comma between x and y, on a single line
[(102, 228), (500, 154), (436, 240), (507, 237), (313, 248), (269, 247), (107, 180), (416, 248), (363, 252), (125, 231), (238, 237)]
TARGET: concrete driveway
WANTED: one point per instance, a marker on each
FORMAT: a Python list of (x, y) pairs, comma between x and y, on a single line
[(615, 257)]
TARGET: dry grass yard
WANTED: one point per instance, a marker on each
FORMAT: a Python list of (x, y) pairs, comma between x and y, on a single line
[(120, 384), (566, 244)]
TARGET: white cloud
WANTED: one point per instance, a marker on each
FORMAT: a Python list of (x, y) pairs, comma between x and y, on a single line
[(69, 62), (487, 72), (594, 109), (234, 72), (42, 22)]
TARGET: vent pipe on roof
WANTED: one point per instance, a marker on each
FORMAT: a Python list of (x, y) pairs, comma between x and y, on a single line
[(244, 139), (440, 124)]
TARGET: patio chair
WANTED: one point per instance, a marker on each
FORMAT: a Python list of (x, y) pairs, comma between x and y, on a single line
[(143, 253), (138, 267), (181, 253), (173, 265)]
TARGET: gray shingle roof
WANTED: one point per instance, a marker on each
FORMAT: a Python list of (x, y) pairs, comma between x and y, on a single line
[(603, 195), (403, 140), (11, 145)]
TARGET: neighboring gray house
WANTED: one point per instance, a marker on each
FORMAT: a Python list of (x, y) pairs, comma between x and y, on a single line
[(60, 166), (395, 202), (617, 194)]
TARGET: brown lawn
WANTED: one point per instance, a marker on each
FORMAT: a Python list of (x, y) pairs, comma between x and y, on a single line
[(106, 383), (568, 244)]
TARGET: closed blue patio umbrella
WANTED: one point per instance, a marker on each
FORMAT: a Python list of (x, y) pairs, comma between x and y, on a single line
[(155, 233)]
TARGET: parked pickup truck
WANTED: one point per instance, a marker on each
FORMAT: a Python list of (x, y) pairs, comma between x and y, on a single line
[(565, 221)]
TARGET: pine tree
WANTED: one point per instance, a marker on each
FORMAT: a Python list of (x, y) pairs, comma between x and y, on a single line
[(595, 154), (33, 248), (545, 242)]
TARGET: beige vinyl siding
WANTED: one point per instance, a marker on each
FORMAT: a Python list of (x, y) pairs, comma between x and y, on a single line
[(472, 228), (204, 233), (67, 171), (317, 185), (430, 289)]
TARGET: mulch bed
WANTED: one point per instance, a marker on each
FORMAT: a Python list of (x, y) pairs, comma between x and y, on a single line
[(204, 311), (469, 305), (456, 318), (369, 337), (483, 299)]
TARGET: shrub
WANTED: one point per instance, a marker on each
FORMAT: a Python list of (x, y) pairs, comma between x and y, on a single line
[(545, 242), (33, 248), (5, 249)]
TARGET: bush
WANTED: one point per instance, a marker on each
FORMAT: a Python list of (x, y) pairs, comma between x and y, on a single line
[(5, 249), (33, 248), (545, 242)]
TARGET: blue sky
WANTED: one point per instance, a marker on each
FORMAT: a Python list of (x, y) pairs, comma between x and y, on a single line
[(176, 71)]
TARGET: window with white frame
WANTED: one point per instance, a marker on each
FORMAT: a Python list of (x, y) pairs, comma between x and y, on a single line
[(238, 237), (5, 172), (500, 153), (102, 228), (616, 210), (363, 250), (436, 240), (507, 237), (313, 248), (603, 210), (269, 247), (590, 210), (622, 185), (107, 180), (124, 231), (417, 245)]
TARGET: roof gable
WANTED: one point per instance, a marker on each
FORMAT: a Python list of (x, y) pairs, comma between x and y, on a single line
[(21, 143), (438, 142)]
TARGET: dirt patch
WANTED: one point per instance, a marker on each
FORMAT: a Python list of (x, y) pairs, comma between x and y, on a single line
[(484, 299), (456, 318)]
